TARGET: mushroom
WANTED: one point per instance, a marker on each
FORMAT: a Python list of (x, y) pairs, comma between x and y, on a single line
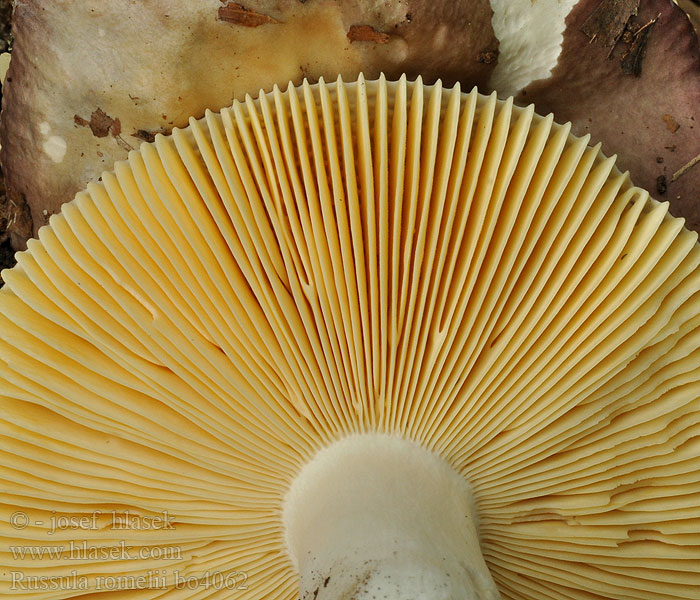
[(368, 339), (92, 79)]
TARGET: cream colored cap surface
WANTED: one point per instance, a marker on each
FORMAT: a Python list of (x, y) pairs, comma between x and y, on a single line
[(91, 80)]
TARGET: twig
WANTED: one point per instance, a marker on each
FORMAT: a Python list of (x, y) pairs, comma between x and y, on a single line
[(685, 168)]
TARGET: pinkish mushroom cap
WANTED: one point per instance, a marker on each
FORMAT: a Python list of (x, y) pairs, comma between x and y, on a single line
[(633, 83)]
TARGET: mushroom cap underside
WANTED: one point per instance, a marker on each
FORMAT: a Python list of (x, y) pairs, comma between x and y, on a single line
[(338, 259)]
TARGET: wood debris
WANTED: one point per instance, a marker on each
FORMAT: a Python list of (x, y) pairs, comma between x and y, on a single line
[(685, 168), (671, 124), (237, 14), (632, 59), (367, 33), (609, 20)]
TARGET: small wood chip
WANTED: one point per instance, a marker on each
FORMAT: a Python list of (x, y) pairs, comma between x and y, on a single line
[(632, 60), (237, 14), (608, 21), (145, 135), (100, 123), (671, 123), (367, 33)]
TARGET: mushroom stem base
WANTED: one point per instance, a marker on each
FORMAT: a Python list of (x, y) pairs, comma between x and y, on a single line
[(376, 516)]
